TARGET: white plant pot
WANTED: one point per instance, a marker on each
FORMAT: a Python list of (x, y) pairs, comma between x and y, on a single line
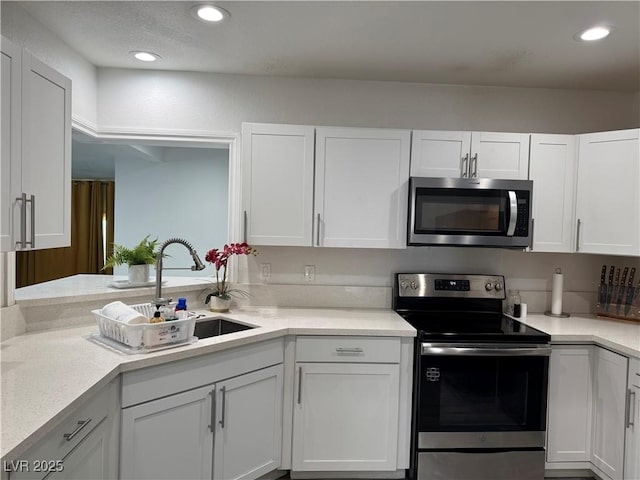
[(217, 304), (139, 273)]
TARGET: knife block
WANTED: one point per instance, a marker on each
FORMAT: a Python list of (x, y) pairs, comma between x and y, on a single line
[(627, 309)]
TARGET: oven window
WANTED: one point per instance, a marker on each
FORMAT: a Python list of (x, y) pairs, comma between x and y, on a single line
[(482, 393), (460, 211)]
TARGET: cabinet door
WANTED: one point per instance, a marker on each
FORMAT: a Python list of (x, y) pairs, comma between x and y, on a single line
[(361, 186), (499, 155), (608, 198), (248, 439), (609, 412), (570, 404), (277, 184), (93, 459), (440, 153), (46, 152), (632, 447), (10, 145), (345, 417), (552, 165), (169, 438)]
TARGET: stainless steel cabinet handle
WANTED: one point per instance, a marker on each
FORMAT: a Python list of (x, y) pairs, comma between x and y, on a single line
[(299, 385), (81, 424), (474, 163), (33, 221), (23, 220), (533, 222), (223, 390), (318, 230), (244, 227), (464, 166), (212, 418), (349, 350), (578, 235), (631, 408)]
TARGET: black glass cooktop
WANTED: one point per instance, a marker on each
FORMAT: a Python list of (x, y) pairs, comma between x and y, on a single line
[(472, 327)]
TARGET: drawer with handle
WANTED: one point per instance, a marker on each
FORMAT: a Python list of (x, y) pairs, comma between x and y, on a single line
[(348, 349), (48, 453)]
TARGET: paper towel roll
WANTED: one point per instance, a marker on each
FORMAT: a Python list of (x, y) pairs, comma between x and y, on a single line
[(556, 293)]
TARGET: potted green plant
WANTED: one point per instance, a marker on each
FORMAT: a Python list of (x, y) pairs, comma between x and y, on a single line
[(219, 298), (137, 258)]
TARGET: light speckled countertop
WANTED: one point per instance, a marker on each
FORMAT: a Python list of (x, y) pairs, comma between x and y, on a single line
[(619, 335), (47, 375)]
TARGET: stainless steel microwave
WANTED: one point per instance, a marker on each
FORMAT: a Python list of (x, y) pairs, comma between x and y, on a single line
[(478, 212)]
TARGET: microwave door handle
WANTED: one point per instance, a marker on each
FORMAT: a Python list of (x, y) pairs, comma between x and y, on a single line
[(513, 213)]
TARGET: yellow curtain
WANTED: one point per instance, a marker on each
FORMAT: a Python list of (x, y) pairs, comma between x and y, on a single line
[(90, 201)]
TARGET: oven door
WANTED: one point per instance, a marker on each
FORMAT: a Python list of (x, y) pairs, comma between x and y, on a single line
[(482, 396), (480, 212)]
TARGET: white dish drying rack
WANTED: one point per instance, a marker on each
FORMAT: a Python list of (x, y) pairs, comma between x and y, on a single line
[(142, 337)]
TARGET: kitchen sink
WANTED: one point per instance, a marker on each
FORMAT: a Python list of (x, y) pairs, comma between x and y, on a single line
[(214, 327)]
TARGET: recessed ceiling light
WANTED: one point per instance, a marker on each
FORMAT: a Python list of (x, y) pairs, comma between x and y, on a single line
[(594, 33), (145, 56), (209, 13)]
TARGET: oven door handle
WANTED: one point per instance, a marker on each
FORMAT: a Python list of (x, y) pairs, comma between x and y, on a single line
[(494, 351), (513, 213)]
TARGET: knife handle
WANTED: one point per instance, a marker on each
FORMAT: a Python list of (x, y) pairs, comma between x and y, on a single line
[(603, 274), (631, 275)]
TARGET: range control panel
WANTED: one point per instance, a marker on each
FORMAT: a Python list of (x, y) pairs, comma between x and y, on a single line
[(450, 285)]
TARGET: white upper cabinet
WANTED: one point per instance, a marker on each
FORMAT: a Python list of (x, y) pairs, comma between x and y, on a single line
[(499, 155), (11, 124), (440, 153), (552, 165), (358, 197), (46, 152), (608, 197), (278, 184), (36, 153), (361, 187), (470, 154)]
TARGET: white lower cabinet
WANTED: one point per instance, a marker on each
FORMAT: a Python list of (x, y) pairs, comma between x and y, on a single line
[(157, 433), (632, 447), (248, 439), (228, 428), (346, 406), (84, 446), (93, 459), (589, 411), (232, 428), (570, 404), (609, 412)]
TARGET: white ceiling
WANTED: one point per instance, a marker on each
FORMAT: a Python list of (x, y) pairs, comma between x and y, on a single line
[(518, 43)]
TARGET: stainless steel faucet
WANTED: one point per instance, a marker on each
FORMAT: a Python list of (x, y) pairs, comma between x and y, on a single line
[(198, 265)]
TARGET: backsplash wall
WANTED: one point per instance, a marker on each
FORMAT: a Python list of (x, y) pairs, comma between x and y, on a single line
[(348, 270)]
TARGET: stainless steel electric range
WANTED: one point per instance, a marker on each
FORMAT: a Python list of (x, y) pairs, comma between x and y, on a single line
[(480, 380)]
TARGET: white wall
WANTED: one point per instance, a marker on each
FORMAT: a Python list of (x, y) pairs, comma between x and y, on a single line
[(162, 100), (185, 195), (22, 29)]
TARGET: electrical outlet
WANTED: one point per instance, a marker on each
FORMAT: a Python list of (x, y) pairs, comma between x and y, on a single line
[(309, 273), (265, 272)]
